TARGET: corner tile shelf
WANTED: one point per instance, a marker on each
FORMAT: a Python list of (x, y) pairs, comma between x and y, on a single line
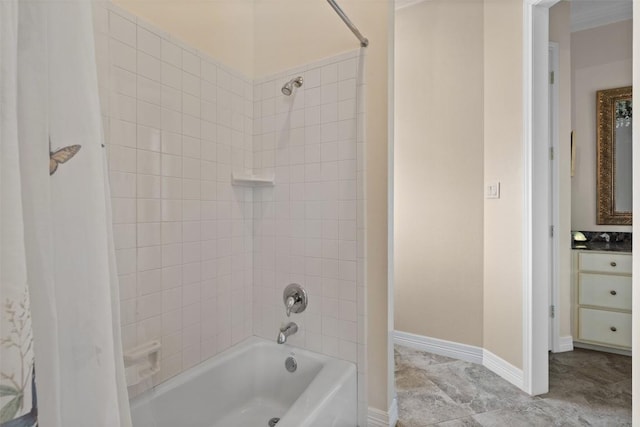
[(249, 180)]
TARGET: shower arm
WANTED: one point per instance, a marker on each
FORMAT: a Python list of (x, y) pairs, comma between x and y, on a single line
[(364, 42)]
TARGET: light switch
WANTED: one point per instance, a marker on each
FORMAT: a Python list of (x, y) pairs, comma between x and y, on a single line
[(493, 190)]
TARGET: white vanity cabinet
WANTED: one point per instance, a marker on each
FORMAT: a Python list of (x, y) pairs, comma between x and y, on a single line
[(602, 299)]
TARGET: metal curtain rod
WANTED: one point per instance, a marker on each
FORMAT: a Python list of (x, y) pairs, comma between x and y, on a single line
[(364, 42)]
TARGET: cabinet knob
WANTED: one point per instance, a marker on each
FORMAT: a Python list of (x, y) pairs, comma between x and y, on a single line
[(613, 293), (613, 329), (613, 264)]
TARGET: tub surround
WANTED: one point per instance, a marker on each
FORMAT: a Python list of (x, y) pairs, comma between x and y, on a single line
[(225, 191), (597, 241)]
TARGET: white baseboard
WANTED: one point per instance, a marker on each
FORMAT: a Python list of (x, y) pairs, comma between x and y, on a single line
[(468, 353), (378, 418), (503, 368), (452, 349), (393, 412), (565, 344)]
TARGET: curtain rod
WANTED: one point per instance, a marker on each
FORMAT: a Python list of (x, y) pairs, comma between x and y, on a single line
[(364, 42)]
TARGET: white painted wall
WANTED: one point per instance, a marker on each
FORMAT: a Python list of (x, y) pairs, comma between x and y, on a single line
[(601, 58)]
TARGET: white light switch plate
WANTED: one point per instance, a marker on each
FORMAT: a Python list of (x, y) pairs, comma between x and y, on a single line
[(492, 190)]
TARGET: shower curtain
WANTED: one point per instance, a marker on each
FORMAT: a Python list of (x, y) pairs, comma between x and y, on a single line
[(60, 350)]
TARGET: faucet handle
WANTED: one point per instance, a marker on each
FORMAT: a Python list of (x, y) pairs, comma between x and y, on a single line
[(295, 299), (289, 303)]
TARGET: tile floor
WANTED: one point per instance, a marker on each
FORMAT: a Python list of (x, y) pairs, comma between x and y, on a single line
[(587, 388)]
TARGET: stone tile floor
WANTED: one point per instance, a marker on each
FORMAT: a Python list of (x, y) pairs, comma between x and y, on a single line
[(586, 388)]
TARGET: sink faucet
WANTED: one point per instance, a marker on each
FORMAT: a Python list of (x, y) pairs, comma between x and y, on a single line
[(285, 331)]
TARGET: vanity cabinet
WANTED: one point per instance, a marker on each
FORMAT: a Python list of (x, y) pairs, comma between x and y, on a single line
[(602, 299)]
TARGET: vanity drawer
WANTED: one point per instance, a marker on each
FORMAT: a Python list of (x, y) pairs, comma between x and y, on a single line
[(606, 327), (605, 262), (605, 290)]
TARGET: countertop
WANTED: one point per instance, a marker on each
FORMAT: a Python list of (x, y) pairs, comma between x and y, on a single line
[(602, 246), (611, 241)]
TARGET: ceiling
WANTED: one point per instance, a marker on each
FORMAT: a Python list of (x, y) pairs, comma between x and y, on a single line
[(587, 14)]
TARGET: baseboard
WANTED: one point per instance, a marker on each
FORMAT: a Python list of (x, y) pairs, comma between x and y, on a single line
[(452, 349), (393, 412), (503, 368), (565, 344), (464, 352), (378, 418), (587, 346)]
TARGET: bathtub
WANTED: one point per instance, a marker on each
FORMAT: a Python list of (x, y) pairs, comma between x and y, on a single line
[(248, 385)]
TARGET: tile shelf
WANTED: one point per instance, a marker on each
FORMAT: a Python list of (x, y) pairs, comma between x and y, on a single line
[(250, 180)]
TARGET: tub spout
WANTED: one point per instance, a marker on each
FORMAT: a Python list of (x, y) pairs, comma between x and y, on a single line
[(285, 331)]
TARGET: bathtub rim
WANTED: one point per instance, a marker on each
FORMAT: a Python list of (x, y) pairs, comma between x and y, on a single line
[(325, 384)]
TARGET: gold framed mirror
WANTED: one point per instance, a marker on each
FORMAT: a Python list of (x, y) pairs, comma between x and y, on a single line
[(614, 179)]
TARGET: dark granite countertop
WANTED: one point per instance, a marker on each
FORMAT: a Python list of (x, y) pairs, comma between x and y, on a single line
[(597, 241), (602, 246)]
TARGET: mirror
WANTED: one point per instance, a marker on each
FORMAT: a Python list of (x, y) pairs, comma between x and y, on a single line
[(614, 181)]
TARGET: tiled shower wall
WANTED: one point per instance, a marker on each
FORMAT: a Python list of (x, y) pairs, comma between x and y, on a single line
[(309, 227), (176, 123), (203, 263)]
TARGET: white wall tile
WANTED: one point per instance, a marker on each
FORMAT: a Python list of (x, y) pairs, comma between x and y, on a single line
[(149, 258), (149, 234), (312, 78), (329, 74), (123, 81), (148, 162), (171, 75), (122, 184), (149, 114), (191, 84), (171, 210), (122, 159), (122, 55), (149, 186), (191, 63), (149, 42), (124, 236), (122, 107), (191, 105), (149, 282), (124, 209), (148, 210), (122, 133), (171, 165), (122, 29), (149, 67), (149, 138), (209, 71), (171, 53)]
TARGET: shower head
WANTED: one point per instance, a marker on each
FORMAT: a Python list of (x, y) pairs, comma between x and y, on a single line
[(287, 89)]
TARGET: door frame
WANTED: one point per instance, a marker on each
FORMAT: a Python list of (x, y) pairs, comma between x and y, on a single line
[(536, 255)]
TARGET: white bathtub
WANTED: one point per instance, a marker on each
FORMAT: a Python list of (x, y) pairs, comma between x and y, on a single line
[(247, 385)]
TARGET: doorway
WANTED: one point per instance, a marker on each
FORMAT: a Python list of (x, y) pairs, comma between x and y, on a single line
[(540, 188)]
